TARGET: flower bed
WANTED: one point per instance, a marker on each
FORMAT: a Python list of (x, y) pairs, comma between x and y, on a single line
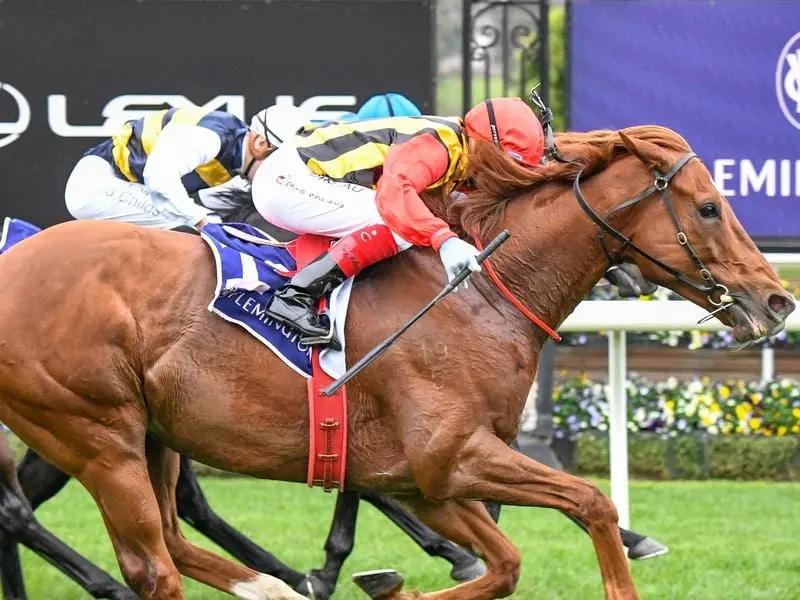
[(671, 407), (693, 430)]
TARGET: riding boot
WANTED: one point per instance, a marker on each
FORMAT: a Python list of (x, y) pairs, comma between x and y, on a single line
[(295, 303)]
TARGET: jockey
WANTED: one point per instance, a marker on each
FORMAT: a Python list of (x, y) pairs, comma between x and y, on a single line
[(361, 182), (146, 172), (387, 105)]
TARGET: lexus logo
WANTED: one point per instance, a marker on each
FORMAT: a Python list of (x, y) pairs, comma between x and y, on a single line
[(787, 80), (11, 130)]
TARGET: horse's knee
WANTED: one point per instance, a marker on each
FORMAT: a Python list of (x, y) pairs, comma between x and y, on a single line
[(595, 507)]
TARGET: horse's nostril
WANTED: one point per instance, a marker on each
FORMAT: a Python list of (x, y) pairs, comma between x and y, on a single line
[(780, 304)]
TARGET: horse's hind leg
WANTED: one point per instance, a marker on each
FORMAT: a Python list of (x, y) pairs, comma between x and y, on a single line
[(120, 485), (20, 525), (466, 566), (193, 508), (38, 479), (194, 562), (13, 582), (469, 524)]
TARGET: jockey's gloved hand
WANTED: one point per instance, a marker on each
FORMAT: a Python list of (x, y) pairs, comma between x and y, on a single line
[(456, 255)]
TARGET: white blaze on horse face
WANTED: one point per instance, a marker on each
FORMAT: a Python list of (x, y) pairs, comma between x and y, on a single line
[(265, 587)]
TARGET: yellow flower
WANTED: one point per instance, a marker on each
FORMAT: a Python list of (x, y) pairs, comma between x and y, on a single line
[(796, 428), (706, 380), (756, 397), (742, 410), (754, 423), (715, 407), (767, 432), (725, 392), (796, 413), (739, 429), (670, 406), (708, 420), (782, 430)]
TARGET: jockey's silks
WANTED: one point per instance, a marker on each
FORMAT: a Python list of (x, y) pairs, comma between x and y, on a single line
[(355, 152), (129, 148)]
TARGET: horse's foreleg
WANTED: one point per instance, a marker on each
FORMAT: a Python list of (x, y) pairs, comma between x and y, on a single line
[(489, 469), (193, 508), (194, 562), (466, 566), (469, 524)]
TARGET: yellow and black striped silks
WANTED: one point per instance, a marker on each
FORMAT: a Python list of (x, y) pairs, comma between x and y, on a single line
[(355, 152)]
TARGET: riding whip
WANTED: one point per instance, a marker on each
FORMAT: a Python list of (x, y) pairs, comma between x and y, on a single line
[(381, 348)]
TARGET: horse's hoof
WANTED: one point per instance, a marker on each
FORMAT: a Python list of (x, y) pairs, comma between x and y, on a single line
[(379, 584), (312, 587), (647, 548), (468, 571)]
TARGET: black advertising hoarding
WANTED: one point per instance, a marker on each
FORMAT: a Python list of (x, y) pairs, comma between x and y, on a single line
[(72, 71)]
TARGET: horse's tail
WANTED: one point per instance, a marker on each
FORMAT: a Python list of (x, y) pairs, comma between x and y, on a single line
[(14, 231)]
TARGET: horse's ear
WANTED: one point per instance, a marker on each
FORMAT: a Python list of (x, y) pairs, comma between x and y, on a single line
[(649, 153)]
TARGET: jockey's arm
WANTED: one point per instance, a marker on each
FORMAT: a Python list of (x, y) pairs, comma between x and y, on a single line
[(409, 169), (179, 150)]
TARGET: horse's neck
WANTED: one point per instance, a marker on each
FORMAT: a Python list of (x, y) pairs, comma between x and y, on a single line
[(553, 257)]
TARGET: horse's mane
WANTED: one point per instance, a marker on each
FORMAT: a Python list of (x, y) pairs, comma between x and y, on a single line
[(498, 178)]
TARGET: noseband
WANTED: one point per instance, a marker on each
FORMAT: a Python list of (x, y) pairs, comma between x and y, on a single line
[(708, 286)]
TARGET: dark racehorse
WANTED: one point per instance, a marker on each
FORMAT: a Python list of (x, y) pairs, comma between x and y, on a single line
[(36, 481)]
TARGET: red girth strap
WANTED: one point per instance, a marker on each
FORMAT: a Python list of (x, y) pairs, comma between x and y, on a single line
[(327, 453), (510, 297)]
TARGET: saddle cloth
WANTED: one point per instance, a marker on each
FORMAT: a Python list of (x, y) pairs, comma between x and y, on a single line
[(14, 231), (250, 266)]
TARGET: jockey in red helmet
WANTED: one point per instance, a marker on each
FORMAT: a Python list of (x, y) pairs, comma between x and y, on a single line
[(361, 182)]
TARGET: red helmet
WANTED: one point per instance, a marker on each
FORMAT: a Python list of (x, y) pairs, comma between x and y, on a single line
[(511, 124)]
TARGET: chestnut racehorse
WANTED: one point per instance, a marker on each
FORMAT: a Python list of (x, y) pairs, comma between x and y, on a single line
[(110, 363)]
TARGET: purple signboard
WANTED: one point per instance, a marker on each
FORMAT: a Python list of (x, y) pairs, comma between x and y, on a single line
[(723, 74)]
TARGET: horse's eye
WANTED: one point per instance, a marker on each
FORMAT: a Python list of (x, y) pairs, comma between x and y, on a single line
[(709, 210)]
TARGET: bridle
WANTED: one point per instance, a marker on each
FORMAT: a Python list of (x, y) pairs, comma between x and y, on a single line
[(707, 286)]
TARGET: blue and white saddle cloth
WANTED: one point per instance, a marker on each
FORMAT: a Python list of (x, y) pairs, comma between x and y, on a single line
[(250, 266), (14, 231)]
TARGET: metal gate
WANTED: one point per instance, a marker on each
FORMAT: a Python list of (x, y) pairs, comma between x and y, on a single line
[(504, 49)]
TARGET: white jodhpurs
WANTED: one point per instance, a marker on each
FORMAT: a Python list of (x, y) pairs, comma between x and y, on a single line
[(289, 195), (95, 192)]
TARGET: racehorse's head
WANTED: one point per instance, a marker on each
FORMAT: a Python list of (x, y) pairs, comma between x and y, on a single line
[(684, 223)]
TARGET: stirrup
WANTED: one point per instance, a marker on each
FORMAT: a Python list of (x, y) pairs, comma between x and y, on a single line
[(331, 340)]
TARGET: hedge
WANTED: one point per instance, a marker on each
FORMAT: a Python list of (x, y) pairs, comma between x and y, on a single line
[(695, 456)]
